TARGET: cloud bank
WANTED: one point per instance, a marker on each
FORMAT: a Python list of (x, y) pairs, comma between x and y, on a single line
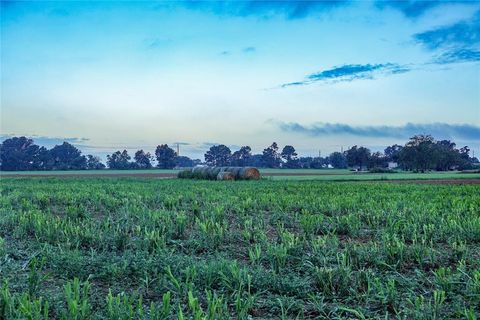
[(466, 132), (48, 141)]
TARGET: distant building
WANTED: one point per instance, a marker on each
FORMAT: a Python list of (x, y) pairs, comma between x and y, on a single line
[(392, 165)]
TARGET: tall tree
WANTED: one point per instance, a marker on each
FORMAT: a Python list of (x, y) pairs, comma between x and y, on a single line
[(317, 163), (337, 160), (290, 156), (20, 153), (270, 156), (377, 160), (219, 155), (392, 152), (419, 153), (119, 160), (446, 156), (242, 157), (184, 162), (94, 163), (357, 156), (66, 157), (165, 157), (143, 160)]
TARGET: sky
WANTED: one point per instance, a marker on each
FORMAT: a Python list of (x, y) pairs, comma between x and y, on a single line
[(320, 76)]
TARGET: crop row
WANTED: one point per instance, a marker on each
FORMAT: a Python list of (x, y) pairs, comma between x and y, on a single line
[(82, 248)]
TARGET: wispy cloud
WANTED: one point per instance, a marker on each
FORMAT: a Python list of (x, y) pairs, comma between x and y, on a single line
[(412, 8), (265, 9), (459, 34), (246, 50), (467, 132), (350, 72), (249, 49), (456, 56), (156, 43), (454, 43), (459, 42)]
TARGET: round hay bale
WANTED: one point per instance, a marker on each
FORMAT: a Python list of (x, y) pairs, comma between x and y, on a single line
[(214, 171), (204, 173), (235, 171), (225, 175), (185, 174), (197, 172), (249, 173)]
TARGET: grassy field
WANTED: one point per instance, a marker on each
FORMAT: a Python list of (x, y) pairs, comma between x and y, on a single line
[(276, 174), (352, 176), (140, 248), (89, 172)]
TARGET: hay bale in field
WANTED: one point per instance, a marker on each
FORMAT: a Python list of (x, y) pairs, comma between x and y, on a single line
[(249, 173), (235, 171), (204, 173), (185, 174), (212, 173), (243, 173), (225, 175)]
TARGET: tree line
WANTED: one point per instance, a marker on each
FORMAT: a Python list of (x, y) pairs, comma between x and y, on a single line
[(420, 153)]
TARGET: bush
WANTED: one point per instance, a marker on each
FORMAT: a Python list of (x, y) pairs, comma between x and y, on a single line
[(381, 170)]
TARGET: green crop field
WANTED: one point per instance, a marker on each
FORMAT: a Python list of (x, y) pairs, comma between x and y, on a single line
[(353, 176), (275, 174), (142, 248)]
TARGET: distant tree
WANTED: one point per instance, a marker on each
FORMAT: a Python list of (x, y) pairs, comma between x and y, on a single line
[(337, 160), (464, 161), (41, 159), (165, 157), (357, 156), (290, 156), (143, 160), (184, 162), (94, 163), (119, 160), (305, 162), (419, 153), (446, 156), (270, 156), (241, 157), (20, 153), (377, 160), (317, 163), (464, 152), (196, 162), (392, 152), (256, 160), (66, 157), (219, 155)]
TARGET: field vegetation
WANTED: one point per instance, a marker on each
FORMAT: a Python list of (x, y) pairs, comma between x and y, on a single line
[(136, 248)]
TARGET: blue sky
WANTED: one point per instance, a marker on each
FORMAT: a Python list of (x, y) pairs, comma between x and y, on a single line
[(317, 75)]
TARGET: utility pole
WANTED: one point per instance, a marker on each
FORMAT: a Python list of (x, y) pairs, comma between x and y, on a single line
[(178, 149)]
